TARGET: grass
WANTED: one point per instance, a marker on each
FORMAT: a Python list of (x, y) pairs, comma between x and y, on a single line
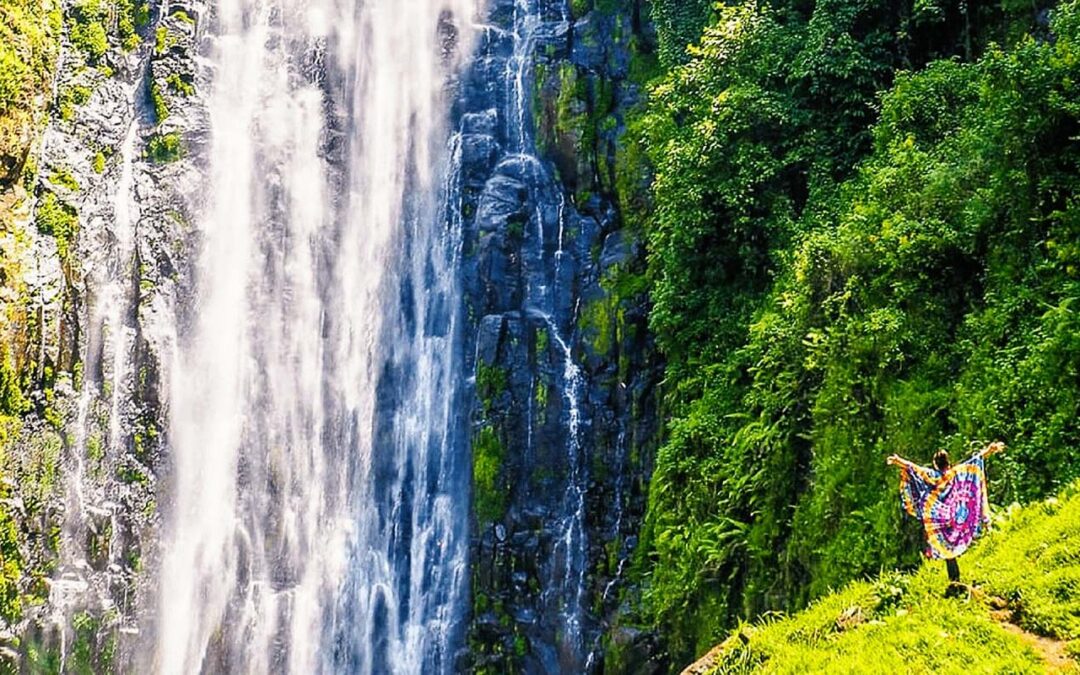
[(1029, 565)]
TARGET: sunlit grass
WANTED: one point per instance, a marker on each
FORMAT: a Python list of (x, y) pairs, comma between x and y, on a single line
[(903, 622)]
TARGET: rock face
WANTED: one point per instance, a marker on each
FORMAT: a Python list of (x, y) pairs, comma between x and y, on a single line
[(565, 372), (564, 418), (106, 258)]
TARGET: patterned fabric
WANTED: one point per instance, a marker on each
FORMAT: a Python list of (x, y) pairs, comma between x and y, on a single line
[(952, 506)]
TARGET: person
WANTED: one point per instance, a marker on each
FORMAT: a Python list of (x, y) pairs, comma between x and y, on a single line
[(951, 503)]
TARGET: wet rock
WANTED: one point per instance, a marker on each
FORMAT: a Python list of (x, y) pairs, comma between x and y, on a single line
[(576, 423), (616, 251), (478, 155), (488, 338)]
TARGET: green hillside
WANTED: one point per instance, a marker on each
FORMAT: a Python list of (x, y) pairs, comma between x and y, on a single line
[(862, 229), (1022, 616)]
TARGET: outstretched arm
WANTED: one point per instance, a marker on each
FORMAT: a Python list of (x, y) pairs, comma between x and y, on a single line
[(897, 460), (925, 474), (992, 449)]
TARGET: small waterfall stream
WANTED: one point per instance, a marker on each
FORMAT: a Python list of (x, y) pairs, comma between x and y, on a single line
[(544, 261), (92, 516)]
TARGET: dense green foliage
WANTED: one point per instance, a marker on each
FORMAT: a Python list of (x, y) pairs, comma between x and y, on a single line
[(838, 275), (902, 623), (678, 24), (28, 37), (88, 33)]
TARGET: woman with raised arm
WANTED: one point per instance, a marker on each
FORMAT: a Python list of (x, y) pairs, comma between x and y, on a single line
[(951, 503)]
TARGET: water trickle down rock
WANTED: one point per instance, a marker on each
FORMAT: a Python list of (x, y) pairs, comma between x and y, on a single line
[(564, 418), (88, 468)]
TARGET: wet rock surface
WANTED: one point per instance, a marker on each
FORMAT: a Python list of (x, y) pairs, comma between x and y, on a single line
[(565, 372), (108, 260)]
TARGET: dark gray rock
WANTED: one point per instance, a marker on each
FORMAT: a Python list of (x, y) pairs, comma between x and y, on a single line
[(537, 252)]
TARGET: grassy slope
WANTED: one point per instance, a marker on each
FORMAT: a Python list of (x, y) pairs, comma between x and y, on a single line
[(1029, 566)]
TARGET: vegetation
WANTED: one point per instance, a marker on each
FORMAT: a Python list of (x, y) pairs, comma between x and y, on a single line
[(70, 98), (491, 492), (902, 623), (62, 177), (132, 16), (678, 23), (163, 40), (29, 30), (179, 85), (165, 148), (838, 274), (157, 99), (59, 220), (87, 32)]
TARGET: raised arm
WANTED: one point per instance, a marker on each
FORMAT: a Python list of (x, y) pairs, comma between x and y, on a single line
[(992, 449), (897, 460)]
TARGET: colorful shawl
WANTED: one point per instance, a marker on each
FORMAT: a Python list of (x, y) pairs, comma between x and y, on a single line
[(952, 506)]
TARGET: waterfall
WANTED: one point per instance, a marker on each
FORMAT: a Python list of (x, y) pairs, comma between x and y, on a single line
[(91, 517), (565, 587), (316, 505)]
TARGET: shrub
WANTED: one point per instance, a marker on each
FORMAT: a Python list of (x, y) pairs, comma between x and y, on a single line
[(164, 148)]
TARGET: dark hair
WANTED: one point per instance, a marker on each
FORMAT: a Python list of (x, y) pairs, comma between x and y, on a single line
[(941, 460)]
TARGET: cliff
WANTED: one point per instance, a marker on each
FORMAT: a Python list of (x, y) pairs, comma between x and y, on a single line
[(565, 372)]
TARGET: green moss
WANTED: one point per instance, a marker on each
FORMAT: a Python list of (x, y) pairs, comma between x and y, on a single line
[(72, 97), (543, 340), (164, 148), (13, 75), (131, 16), (63, 178), (490, 384), (183, 16), (521, 646), (632, 176), (90, 39), (163, 40), (98, 163), (87, 32), (58, 220), (515, 227), (540, 395), (93, 648), (132, 474), (12, 400), (157, 99), (179, 85), (42, 659), (95, 452), (597, 324), (489, 488), (11, 572), (579, 8), (644, 66), (570, 115), (142, 15), (39, 477)]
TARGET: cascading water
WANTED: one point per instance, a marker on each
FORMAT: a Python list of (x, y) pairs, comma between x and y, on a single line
[(549, 292), (317, 518), (91, 520)]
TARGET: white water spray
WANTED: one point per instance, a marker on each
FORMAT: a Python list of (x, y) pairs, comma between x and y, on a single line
[(314, 521)]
